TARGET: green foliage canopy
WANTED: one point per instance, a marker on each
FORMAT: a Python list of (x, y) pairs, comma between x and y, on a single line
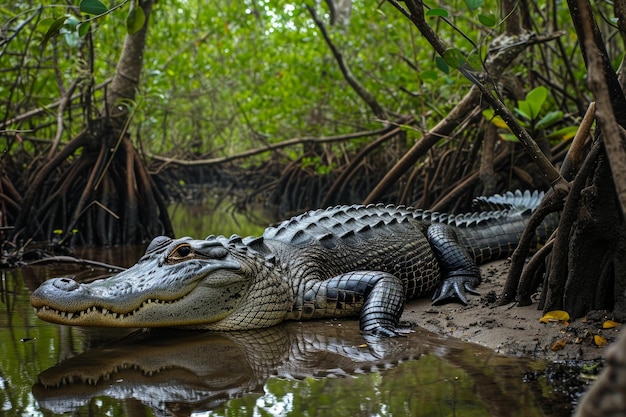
[(221, 77)]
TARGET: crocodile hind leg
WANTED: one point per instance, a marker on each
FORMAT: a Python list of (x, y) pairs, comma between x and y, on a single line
[(377, 297), (458, 268)]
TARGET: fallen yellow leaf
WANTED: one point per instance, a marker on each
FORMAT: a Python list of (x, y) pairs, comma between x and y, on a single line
[(609, 324), (555, 315), (599, 340), (558, 345)]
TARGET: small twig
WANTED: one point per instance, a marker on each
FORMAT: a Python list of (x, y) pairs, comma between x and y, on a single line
[(76, 261)]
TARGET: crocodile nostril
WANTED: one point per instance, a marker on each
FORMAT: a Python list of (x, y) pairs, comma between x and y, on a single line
[(66, 284)]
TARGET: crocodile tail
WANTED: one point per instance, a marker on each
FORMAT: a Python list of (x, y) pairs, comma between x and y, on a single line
[(494, 209), (511, 200), (494, 230), (498, 239)]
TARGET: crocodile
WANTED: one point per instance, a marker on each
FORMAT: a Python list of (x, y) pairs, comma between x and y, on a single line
[(352, 260)]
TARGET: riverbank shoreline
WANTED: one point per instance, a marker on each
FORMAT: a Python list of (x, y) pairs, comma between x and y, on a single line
[(511, 329)]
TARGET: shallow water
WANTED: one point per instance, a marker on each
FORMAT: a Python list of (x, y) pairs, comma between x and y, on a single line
[(298, 369)]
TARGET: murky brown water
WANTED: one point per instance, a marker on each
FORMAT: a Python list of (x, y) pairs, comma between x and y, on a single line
[(298, 369)]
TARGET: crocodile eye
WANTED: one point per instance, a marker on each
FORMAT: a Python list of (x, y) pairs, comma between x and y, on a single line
[(180, 253), (183, 250)]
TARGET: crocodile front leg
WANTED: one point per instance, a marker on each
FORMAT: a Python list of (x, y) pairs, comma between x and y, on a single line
[(377, 297), (458, 269)]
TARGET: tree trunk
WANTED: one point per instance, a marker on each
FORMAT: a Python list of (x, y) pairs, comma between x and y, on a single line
[(125, 82), (108, 195)]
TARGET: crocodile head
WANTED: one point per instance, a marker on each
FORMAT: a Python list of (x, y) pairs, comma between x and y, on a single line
[(215, 283)]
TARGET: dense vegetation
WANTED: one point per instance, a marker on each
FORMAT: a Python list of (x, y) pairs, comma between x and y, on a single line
[(106, 109)]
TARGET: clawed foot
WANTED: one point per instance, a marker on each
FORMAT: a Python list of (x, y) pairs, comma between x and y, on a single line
[(454, 289)]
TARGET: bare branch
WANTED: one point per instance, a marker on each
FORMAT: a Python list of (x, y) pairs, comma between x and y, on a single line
[(359, 88), (271, 147)]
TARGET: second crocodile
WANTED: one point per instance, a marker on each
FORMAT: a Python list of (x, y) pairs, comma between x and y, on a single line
[(344, 261)]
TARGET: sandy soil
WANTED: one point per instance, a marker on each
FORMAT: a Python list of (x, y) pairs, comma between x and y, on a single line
[(510, 329)]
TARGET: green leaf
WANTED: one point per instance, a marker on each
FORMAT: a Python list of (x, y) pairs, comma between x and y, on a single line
[(429, 75), (453, 57), (94, 7), (69, 32), (523, 110), (535, 99), (473, 4), (83, 28), (437, 12), (549, 119), (71, 39), (475, 62), (53, 30), (135, 20), (565, 133), (44, 24), (441, 64), (488, 20), (70, 24)]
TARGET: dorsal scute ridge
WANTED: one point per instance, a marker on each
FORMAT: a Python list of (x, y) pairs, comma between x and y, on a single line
[(235, 239), (338, 220), (252, 240), (516, 201)]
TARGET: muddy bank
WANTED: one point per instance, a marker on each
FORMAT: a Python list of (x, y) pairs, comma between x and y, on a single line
[(510, 329)]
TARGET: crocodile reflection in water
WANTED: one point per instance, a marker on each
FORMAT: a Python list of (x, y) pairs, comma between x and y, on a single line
[(205, 369), (170, 370)]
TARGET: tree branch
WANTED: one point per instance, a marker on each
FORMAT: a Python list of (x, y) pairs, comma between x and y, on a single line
[(271, 147), (363, 92), (494, 67)]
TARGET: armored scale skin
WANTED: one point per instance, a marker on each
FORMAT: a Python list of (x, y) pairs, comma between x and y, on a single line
[(343, 261)]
